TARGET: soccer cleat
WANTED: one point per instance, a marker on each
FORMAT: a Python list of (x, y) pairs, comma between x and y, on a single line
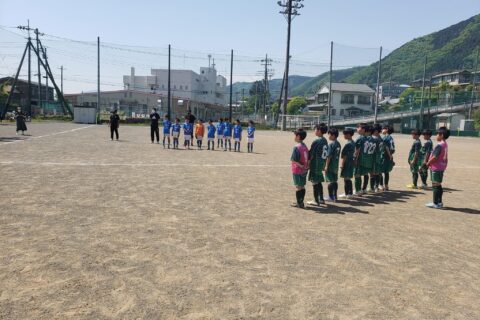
[(433, 205), (359, 193), (329, 199), (412, 186), (343, 195), (313, 203), (376, 190), (381, 188), (349, 196), (440, 205), (423, 187), (386, 188), (298, 205)]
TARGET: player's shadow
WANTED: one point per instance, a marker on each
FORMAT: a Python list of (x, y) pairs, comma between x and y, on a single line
[(369, 200), (334, 209), (11, 139), (451, 190), (462, 210)]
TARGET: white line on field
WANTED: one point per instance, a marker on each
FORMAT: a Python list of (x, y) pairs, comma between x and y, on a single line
[(47, 135), (160, 164)]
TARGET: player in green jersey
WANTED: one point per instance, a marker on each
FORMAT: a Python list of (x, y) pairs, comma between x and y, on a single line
[(414, 158), (425, 152), (368, 158), (377, 158), (347, 163), (387, 156), (331, 166), (316, 163), (359, 171)]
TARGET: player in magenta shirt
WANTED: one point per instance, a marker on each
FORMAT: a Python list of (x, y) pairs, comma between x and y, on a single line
[(438, 164), (299, 161)]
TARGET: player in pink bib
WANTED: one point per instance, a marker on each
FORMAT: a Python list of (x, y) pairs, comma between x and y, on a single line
[(299, 161), (437, 163)]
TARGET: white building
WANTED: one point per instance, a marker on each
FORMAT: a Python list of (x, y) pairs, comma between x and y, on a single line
[(347, 100), (206, 87)]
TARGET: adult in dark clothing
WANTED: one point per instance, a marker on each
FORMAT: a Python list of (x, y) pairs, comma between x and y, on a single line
[(114, 124), (154, 130), (20, 119), (191, 119)]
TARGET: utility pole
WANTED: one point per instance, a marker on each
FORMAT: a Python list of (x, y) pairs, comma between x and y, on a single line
[(98, 79), (46, 77), (265, 62), (275, 120), (231, 85), (379, 75), (61, 79), (243, 100), (29, 93), (169, 94), (39, 103), (289, 8), (473, 87), (330, 89), (423, 93)]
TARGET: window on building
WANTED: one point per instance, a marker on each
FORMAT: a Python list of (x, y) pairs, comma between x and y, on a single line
[(174, 87), (163, 86), (333, 112), (130, 94), (181, 87), (347, 98), (125, 94), (364, 99), (342, 112)]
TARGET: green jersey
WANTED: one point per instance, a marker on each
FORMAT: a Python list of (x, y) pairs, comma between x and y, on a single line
[(379, 150), (426, 150), (348, 152), (333, 154), (415, 149), (318, 154), (367, 151)]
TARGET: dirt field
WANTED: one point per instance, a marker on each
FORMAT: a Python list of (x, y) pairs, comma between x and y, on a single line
[(95, 229)]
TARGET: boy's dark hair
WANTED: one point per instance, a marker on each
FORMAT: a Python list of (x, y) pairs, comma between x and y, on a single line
[(250, 121), (238, 120), (348, 131), (444, 132), (301, 133), (155, 109), (427, 132), (333, 131), (388, 128), (376, 128), (416, 132), (322, 127), (210, 120), (166, 116), (221, 119), (362, 125), (177, 119)]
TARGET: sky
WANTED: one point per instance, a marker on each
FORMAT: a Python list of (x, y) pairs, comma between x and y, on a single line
[(137, 33)]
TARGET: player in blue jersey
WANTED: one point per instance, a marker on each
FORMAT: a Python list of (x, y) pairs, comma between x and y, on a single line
[(250, 136), (220, 129), (211, 135), (187, 133), (167, 125), (227, 135), (176, 127), (237, 135)]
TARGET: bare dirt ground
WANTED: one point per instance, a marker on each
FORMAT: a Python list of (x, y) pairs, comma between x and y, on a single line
[(95, 229)]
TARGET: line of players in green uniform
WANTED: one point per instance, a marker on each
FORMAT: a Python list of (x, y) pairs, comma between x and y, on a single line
[(368, 158)]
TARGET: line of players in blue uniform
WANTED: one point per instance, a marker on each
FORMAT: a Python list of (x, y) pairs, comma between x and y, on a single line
[(222, 132)]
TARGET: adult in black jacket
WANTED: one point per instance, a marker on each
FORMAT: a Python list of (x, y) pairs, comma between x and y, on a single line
[(20, 119), (154, 130), (114, 124), (191, 119)]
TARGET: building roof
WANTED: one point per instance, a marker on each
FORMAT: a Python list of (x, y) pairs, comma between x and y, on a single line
[(350, 87), (450, 73), (10, 80)]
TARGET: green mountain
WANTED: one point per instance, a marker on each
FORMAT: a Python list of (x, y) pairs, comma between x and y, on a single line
[(450, 49)]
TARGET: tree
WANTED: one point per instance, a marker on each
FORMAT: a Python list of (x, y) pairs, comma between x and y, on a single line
[(275, 107), (296, 105), (476, 119)]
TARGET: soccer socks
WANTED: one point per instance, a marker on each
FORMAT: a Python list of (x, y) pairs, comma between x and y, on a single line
[(315, 192), (440, 194), (250, 147), (320, 193), (436, 194), (358, 184), (348, 187), (300, 194), (380, 179), (424, 176), (373, 179), (335, 190), (415, 178), (387, 178), (330, 188), (365, 182)]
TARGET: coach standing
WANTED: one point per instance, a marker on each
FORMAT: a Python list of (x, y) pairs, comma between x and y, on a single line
[(154, 130), (114, 124), (191, 119)]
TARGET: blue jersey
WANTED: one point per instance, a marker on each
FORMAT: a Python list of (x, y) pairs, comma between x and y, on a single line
[(167, 124), (211, 131), (176, 127), (227, 132), (187, 129), (220, 128), (251, 132), (237, 131)]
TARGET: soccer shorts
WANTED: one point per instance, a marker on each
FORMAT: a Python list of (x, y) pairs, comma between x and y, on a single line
[(187, 137), (347, 172), (315, 176), (250, 140), (220, 136), (211, 139), (331, 176), (300, 180), (237, 139), (437, 176), (175, 134), (361, 171), (199, 138), (227, 138)]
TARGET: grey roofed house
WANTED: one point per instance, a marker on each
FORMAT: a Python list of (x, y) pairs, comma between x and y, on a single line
[(350, 87)]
